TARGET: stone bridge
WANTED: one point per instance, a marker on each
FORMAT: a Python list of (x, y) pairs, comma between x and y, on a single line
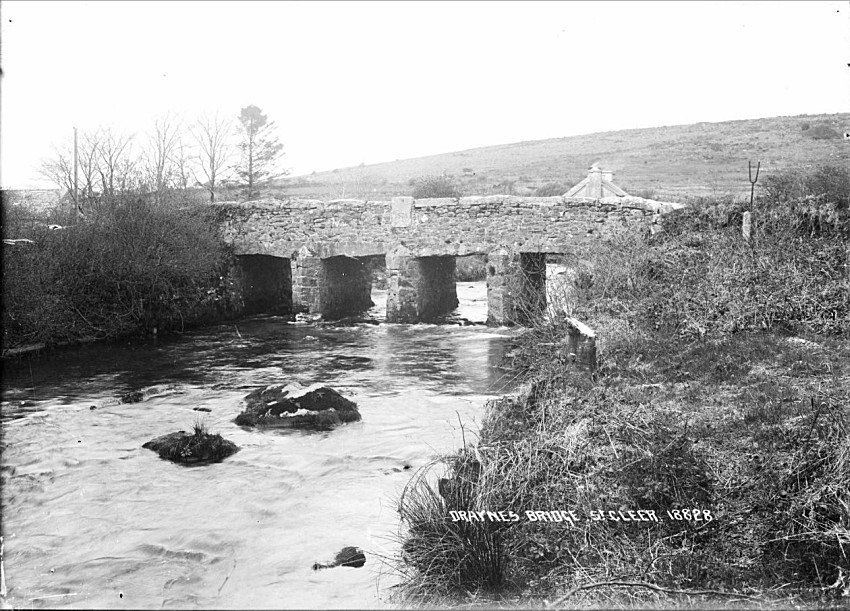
[(307, 255)]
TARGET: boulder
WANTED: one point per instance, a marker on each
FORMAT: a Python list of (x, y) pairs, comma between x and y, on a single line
[(347, 556), (197, 447), (132, 396), (313, 408)]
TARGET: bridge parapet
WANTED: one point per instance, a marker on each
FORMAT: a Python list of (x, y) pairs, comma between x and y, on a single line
[(429, 227)]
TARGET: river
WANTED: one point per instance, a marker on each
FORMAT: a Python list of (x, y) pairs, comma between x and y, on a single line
[(90, 519)]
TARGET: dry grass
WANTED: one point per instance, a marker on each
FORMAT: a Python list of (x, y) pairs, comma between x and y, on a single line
[(750, 426), (767, 456)]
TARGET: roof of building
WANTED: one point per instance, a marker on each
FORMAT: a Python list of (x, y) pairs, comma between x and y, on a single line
[(597, 185)]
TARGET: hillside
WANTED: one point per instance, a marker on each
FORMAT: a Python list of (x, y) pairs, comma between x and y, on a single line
[(662, 162)]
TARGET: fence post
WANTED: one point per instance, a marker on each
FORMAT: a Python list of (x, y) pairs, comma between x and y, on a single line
[(746, 227)]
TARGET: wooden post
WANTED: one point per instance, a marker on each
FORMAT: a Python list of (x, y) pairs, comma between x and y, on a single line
[(753, 181), (746, 227)]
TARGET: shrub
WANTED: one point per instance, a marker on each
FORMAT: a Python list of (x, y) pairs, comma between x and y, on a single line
[(435, 186), (700, 277), (471, 268), (832, 183), (551, 189), (822, 132), (644, 193), (117, 271)]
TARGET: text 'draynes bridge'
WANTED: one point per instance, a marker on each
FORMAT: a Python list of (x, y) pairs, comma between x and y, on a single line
[(317, 256)]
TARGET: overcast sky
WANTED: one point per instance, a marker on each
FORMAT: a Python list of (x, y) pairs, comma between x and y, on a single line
[(369, 82)]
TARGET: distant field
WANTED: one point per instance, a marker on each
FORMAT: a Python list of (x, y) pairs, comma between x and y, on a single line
[(661, 162), (668, 163)]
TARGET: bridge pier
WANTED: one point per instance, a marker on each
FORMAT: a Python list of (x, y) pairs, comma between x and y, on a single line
[(306, 276), (516, 287), (266, 283), (419, 288)]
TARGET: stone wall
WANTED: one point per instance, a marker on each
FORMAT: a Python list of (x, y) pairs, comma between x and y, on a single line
[(429, 227)]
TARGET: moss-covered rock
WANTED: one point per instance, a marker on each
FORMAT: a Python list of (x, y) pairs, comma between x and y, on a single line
[(312, 408), (192, 448), (132, 396)]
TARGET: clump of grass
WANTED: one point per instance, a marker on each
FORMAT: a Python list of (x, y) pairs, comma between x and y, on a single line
[(440, 556)]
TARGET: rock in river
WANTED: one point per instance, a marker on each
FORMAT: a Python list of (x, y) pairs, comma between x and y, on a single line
[(198, 447), (347, 556), (315, 407), (132, 396)]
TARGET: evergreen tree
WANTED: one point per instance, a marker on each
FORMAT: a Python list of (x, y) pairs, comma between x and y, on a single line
[(260, 151)]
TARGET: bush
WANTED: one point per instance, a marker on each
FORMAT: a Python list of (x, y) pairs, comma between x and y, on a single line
[(822, 132), (832, 183), (471, 268), (700, 277), (551, 189), (119, 270), (435, 186)]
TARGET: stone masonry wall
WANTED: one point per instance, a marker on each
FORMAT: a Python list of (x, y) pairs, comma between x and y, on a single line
[(429, 227)]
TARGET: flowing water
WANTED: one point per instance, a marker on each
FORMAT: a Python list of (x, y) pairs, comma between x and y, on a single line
[(90, 519)]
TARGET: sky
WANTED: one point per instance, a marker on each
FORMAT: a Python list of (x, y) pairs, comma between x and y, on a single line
[(366, 82)]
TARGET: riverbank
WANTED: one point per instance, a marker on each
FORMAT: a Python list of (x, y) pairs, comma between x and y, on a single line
[(706, 461)]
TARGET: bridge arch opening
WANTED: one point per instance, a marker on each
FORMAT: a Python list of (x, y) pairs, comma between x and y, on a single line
[(345, 288), (420, 289), (266, 283), (516, 287)]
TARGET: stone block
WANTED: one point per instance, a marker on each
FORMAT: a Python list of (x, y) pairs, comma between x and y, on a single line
[(401, 212), (435, 202)]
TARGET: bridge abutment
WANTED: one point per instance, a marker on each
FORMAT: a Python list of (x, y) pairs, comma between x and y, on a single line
[(516, 287), (419, 288)]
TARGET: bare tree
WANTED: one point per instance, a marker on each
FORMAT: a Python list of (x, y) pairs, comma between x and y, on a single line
[(113, 162), (212, 135), (159, 156), (59, 169), (88, 154), (181, 159)]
